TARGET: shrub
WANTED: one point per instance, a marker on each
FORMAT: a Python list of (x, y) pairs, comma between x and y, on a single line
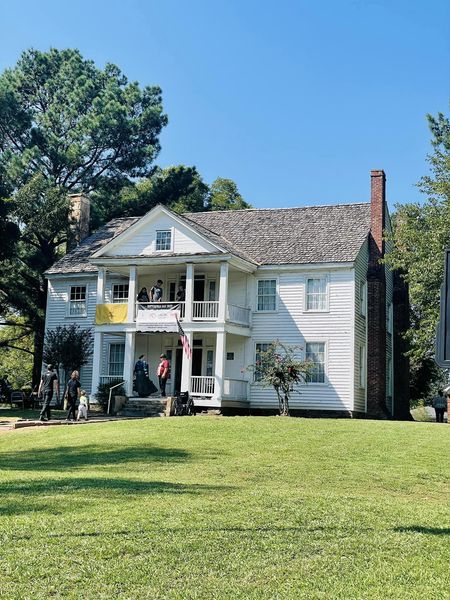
[(103, 392)]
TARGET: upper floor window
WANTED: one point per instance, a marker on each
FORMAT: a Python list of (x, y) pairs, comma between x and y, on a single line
[(164, 240), (315, 354), (120, 293), (267, 294), (77, 302), (316, 293), (362, 298)]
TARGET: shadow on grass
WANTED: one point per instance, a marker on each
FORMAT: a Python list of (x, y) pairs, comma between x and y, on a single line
[(426, 530), (70, 493), (63, 458)]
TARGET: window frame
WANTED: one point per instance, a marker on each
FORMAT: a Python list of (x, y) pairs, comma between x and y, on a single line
[(122, 300), (255, 344), (69, 301), (170, 230), (271, 310), (110, 345), (326, 280), (325, 343)]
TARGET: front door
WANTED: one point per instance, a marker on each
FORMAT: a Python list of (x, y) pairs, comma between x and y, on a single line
[(197, 355)]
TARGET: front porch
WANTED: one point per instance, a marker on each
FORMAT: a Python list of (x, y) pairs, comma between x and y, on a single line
[(215, 375)]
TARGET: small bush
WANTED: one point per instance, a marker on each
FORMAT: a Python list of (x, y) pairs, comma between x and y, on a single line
[(103, 392)]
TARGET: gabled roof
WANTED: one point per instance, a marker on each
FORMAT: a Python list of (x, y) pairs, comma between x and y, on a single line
[(311, 234), (77, 260), (280, 236)]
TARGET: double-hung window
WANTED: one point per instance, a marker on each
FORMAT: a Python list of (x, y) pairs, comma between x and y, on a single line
[(267, 295), (259, 348), (116, 359), (316, 293), (120, 293), (315, 355), (77, 301), (163, 240)]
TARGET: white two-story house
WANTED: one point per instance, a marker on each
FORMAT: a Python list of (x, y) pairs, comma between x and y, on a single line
[(300, 275)]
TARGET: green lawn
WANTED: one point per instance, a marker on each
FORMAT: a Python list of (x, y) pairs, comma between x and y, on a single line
[(239, 507)]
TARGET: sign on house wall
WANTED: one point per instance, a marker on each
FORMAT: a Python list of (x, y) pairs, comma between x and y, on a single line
[(443, 329), (161, 317)]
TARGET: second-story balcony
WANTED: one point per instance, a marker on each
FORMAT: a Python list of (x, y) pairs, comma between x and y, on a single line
[(206, 311)]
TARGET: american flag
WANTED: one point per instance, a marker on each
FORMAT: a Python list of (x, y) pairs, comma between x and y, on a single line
[(184, 341)]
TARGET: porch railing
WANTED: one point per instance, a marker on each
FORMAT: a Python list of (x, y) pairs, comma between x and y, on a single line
[(237, 389), (110, 378), (205, 311), (238, 314), (202, 385)]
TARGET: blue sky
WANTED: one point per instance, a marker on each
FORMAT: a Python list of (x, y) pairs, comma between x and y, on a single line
[(294, 100)]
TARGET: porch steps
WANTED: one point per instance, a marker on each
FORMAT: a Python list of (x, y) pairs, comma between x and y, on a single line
[(143, 407)]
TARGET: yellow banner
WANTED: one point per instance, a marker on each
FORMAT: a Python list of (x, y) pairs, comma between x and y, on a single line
[(108, 314)]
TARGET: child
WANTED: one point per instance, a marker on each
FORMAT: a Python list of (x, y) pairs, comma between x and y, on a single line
[(83, 407)]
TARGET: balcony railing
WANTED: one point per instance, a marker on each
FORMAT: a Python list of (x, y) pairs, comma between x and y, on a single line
[(202, 385), (205, 311), (237, 389), (238, 314)]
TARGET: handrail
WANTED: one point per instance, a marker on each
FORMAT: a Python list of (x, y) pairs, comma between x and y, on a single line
[(110, 390)]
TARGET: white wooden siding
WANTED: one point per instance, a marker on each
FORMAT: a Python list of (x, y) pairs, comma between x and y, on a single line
[(142, 242), (361, 265), (57, 313), (294, 326)]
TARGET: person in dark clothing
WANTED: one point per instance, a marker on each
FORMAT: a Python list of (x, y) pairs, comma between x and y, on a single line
[(143, 385), (5, 388), (72, 393), (144, 298), (439, 405), (46, 389)]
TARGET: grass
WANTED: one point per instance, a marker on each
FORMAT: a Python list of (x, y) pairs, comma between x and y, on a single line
[(225, 508), (27, 414)]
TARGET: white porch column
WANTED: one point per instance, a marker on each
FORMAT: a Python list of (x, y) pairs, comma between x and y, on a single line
[(96, 361), (186, 367), (189, 293), (128, 362), (101, 280), (132, 295), (223, 292), (221, 340)]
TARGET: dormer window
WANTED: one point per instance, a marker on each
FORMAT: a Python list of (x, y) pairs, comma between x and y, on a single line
[(163, 240)]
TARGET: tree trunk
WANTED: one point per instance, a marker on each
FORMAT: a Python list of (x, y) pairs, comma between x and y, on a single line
[(38, 352)]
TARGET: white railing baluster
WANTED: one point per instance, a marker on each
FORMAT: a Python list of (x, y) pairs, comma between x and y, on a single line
[(202, 385)]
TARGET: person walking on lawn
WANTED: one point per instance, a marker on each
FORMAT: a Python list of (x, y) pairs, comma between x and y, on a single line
[(439, 405), (46, 389), (72, 393)]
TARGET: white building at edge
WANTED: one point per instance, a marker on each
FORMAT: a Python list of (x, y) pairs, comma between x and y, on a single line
[(299, 275)]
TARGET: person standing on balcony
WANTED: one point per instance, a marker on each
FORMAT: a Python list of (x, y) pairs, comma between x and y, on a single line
[(143, 297), (156, 292), (163, 373), (181, 294)]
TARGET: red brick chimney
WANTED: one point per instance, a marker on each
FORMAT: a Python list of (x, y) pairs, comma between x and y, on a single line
[(376, 300), (80, 212)]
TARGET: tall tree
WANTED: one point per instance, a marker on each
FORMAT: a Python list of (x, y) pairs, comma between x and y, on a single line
[(181, 188), (224, 195), (421, 233), (65, 126)]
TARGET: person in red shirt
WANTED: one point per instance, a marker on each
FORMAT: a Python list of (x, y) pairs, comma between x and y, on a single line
[(163, 373)]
